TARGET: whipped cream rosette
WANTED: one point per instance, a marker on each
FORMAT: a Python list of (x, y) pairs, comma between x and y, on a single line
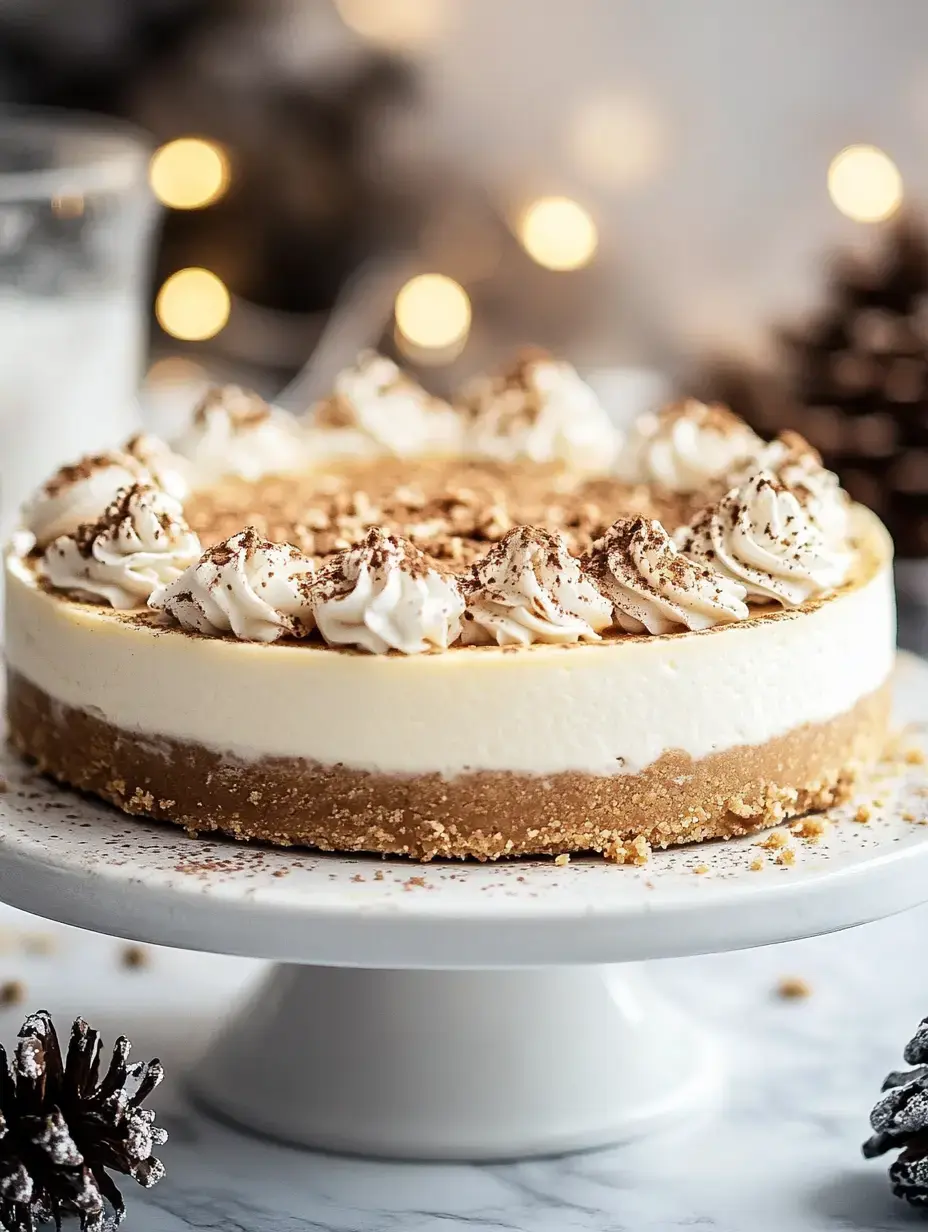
[(798, 466), (528, 588), (80, 493), (375, 407), (385, 595), (247, 586), (763, 537), (235, 432), (653, 587), (140, 542), (539, 409), (686, 446)]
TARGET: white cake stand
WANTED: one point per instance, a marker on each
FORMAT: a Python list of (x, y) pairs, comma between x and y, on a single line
[(451, 1011)]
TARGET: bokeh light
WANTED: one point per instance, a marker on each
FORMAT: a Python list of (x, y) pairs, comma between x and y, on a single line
[(433, 311), (189, 173), (616, 141), (193, 305), (398, 24), (174, 370), (864, 183), (558, 233)]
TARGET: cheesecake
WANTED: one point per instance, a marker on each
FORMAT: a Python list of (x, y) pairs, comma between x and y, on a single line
[(483, 628)]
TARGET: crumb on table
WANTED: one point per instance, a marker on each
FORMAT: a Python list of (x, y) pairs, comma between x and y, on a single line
[(12, 992), (134, 957), (793, 988)]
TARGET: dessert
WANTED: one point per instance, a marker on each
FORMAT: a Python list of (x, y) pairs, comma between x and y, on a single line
[(488, 628)]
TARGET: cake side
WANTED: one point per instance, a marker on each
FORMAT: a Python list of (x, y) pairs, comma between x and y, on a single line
[(482, 814)]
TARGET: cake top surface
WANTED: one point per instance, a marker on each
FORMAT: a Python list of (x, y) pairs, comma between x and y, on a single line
[(387, 520)]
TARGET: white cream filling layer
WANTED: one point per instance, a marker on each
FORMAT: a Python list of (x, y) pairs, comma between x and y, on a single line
[(604, 709)]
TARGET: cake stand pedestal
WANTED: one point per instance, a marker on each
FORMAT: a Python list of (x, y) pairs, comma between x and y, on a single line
[(454, 1011)]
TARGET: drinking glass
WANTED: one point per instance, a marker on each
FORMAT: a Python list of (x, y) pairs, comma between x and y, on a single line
[(76, 223)]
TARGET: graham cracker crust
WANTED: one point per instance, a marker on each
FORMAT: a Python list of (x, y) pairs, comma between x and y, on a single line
[(486, 815)]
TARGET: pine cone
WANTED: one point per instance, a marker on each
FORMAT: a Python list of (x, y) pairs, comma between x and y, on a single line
[(61, 1127), (900, 1119)]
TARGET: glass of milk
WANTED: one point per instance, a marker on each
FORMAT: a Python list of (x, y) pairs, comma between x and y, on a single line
[(76, 223)]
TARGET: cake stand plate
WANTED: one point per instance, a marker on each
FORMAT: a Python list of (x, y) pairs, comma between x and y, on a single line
[(461, 1011)]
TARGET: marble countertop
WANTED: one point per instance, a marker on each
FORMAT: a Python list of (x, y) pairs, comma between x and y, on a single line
[(779, 1154)]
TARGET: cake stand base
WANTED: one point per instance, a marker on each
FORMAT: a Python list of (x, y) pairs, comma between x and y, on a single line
[(460, 1065)]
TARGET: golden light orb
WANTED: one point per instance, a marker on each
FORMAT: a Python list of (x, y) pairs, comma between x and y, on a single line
[(433, 311), (193, 305), (864, 183), (404, 25), (189, 173), (558, 233)]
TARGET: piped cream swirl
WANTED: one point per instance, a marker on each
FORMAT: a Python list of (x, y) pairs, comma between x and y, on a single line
[(376, 407), (653, 587), (235, 432), (528, 588), (168, 470), (686, 446), (80, 493), (141, 542), (539, 409), (248, 586), (384, 595), (798, 466), (761, 536)]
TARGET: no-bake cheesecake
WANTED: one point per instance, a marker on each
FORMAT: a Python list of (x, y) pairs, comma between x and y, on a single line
[(486, 628)]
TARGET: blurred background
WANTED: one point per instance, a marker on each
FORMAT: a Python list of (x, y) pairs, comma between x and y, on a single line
[(724, 197)]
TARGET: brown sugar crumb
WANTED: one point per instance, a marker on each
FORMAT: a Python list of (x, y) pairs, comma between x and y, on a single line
[(638, 851), (701, 868), (562, 859), (786, 857), (12, 992), (809, 828), (135, 957), (774, 841), (4, 784), (378, 876), (413, 883), (756, 865), (914, 756), (908, 816), (862, 815), (39, 944), (793, 988)]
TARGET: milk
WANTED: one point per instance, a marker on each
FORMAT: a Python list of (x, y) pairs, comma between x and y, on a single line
[(69, 370)]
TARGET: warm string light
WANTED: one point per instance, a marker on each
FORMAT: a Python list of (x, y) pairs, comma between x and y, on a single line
[(397, 24), (189, 173), (558, 233), (433, 312), (193, 305), (864, 183)]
